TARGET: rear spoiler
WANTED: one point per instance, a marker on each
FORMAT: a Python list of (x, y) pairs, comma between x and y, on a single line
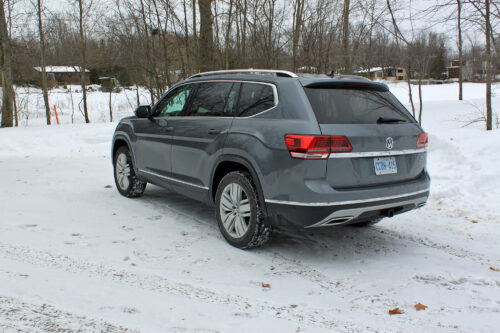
[(347, 84)]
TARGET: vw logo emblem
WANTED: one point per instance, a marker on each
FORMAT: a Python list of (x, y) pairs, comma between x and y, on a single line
[(389, 143)]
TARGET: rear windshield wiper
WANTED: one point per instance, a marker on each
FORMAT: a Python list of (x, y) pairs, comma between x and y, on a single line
[(381, 120)]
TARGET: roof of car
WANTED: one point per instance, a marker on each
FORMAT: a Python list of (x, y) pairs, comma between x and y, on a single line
[(271, 76)]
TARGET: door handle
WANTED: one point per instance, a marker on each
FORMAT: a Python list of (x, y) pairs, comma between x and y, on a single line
[(213, 131)]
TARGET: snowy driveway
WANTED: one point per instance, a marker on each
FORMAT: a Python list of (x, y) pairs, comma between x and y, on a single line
[(76, 255)]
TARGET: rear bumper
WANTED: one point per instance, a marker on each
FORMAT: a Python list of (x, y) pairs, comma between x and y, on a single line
[(281, 213)]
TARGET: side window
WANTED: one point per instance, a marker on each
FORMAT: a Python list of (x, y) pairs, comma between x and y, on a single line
[(173, 104), (212, 99), (255, 98)]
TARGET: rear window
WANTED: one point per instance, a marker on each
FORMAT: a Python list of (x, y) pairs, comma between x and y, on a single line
[(356, 106)]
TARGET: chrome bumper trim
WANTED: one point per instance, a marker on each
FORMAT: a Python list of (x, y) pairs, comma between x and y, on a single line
[(173, 179), (378, 153), (347, 215), (348, 202)]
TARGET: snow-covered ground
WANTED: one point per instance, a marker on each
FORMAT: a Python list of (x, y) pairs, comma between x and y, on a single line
[(77, 256)]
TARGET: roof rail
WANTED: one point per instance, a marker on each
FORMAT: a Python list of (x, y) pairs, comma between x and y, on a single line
[(248, 71)]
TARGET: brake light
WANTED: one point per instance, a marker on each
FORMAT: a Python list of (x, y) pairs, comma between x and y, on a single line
[(340, 144), (422, 140), (315, 147)]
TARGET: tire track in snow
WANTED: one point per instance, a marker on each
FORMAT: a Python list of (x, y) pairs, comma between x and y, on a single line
[(452, 251), (19, 316), (157, 283)]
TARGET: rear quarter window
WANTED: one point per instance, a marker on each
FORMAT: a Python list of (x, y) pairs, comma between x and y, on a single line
[(255, 98), (355, 106)]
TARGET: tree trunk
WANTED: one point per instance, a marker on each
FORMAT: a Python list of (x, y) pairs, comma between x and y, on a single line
[(186, 39), (228, 32), (410, 95), (195, 36), (244, 35), (83, 67), (460, 71), (488, 66), (137, 94), (43, 73), (206, 35), (16, 114), (345, 37), (420, 107), (299, 10), (110, 108), (6, 65)]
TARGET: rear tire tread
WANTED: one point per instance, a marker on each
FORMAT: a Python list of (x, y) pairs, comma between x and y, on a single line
[(261, 231)]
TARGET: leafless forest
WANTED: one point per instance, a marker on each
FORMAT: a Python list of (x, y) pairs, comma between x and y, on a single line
[(155, 43)]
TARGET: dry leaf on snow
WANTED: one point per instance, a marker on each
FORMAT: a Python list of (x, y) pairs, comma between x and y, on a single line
[(107, 186), (266, 285), (419, 306), (395, 311), (494, 269), (474, 221)]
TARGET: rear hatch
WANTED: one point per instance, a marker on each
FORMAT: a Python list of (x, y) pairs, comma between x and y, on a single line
[(382, 133)]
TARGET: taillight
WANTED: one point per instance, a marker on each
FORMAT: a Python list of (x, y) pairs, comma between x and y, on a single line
[(340, 144), (315, 147), (422, 140)]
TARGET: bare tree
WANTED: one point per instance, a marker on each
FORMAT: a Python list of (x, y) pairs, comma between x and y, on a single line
[(45, 90), (487, 35), (345, 37), (460, 60), (399, 36), (6, 64), (228, 33), (83, 67), (483, 8), (206, 35), (297, 28)]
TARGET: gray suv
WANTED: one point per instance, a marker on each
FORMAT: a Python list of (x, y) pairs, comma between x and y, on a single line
[(268, 148)]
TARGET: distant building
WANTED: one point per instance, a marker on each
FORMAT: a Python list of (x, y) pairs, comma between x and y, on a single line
[(65, 74), (307, 69), (108, 83), (394, 73), (453, 70)]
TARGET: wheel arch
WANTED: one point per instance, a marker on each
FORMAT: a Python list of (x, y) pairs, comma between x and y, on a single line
[(228, 163), (120, 140)]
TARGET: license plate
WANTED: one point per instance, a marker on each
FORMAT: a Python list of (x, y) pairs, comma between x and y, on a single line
[(385, 165)]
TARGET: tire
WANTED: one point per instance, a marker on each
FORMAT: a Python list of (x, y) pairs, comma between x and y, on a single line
[(127, 182), (238, 211)]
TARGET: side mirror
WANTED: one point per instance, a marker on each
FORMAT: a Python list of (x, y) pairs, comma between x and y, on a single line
[(143, 111)]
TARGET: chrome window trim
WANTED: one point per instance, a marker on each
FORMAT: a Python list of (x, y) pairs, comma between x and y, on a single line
[(378, 153), (173, 179), (273, 86), (348, 202)]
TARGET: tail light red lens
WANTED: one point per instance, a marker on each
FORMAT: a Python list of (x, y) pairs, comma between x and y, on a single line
[(315, 147), (340, 144), (422, 140)]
